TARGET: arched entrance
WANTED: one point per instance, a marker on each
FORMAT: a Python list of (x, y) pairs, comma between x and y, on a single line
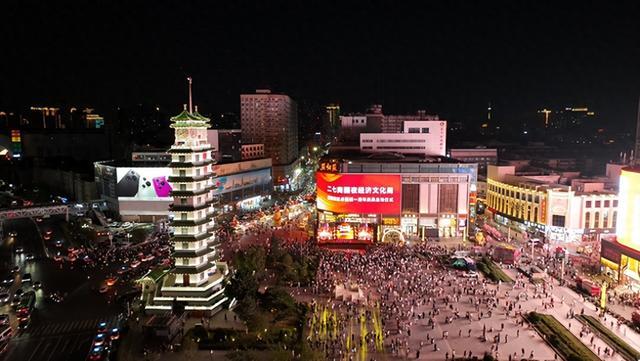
[(392, 235)]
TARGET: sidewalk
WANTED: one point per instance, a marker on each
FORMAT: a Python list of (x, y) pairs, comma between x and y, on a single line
[(561, 309)]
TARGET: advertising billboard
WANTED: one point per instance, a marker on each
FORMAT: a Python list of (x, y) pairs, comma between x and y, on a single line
[(345, 232), (229, 183), (148, 184), (359, 193)]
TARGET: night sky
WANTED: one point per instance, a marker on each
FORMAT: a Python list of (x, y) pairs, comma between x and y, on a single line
[(450, 58)]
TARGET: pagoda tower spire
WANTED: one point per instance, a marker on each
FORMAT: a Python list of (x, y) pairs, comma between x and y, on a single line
[(197, 276)]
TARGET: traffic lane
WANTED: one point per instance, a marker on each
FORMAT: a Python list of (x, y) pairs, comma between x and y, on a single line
[(51, 232), (58, 340), (61, 348), (28, 238)]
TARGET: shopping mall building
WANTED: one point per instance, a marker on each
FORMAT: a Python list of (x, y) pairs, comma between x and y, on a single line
[(539, 204), (388, 197)]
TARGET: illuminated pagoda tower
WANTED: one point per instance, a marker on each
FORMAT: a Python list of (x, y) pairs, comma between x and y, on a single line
[(197, 278)]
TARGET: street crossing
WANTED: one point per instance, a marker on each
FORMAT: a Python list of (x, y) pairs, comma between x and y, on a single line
[(56, 341)]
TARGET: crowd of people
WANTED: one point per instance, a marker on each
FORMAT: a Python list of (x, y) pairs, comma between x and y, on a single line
[(421, 304)]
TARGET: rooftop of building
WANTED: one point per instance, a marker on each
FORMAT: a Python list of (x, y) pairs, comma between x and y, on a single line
[(122, 163), (189, 116), (542, 184), (354, 154)]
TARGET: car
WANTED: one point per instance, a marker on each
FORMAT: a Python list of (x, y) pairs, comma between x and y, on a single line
[(122, 270), (26, 277), (98, 353), (103, 289), (19, 250), (102, 327), (111, 281), (46, 237), (100, 340), (38, 219), (29, 257), (8, 281), (15, 269), (57, 258), (15, 302), (59, 243), (4, 297), (471, 274), (135, 264), (114, 334), (4, 319), (37, 285), (13, 234)]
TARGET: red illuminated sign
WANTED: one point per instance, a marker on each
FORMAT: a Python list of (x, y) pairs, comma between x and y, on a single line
[(359, 193)]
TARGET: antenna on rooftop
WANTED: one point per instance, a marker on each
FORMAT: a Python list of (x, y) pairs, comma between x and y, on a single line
[(190, 96)]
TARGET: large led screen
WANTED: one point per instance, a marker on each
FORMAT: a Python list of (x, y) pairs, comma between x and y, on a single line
[(628, 227), (359, 193), (147, 184), (228, 183)]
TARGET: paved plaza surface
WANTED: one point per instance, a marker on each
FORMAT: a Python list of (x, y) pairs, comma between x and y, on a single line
[(462, 316)]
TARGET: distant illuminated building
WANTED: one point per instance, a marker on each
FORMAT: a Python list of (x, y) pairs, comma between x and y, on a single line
[(50, 116), (571, 118), (16, 143), (546, 113), (333, 114)]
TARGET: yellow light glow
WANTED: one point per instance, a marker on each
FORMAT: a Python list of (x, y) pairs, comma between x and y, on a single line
[(628, 229)]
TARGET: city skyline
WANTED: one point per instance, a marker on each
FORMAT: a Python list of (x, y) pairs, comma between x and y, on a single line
[(451, 59)]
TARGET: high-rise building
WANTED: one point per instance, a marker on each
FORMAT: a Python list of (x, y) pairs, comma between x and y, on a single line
[(271, 119), (196, 279)]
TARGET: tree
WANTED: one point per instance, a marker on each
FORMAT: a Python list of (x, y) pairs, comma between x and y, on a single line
[(242, 284)]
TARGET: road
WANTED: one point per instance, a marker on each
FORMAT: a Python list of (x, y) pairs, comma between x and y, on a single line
[(61, 331)]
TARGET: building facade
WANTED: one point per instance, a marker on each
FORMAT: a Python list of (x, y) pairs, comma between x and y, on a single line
[(536, 205), (271, 119), (243, 185), (197, 278), (484, 157), (364, 198), (252, 151), (418, 137)]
